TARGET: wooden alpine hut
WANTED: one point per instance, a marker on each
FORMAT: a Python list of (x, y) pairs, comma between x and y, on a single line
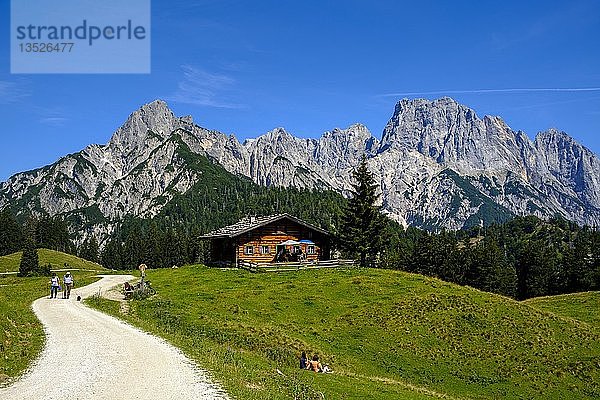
[(269, 239)]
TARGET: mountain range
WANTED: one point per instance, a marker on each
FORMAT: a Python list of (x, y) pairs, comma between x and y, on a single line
[(438, 165)]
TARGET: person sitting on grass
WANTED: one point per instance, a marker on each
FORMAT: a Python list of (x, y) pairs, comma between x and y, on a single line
[(303, 361), (314, 364), (128, 290)]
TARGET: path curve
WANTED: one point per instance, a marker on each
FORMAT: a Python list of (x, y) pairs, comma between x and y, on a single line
[(90, 355)]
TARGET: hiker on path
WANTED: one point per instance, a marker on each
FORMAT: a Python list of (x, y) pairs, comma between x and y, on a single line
[(69, 283), (54, 285)]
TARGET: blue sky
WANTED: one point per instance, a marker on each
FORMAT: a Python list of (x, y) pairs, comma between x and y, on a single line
[(245, 67)]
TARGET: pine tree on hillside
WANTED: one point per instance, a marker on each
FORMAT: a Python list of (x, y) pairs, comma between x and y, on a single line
[(52, 233), (11, 234), (112, 255), (89, 249), (488, 269), (363, 224), (29, 265), (535, 261), (93, 249)]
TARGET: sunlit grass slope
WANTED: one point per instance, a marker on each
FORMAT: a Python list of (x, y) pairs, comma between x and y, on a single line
[(580, 306), (386, 334), (57, 259)]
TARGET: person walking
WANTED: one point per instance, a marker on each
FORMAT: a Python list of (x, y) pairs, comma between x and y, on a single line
[(69, 284), (54, 285)]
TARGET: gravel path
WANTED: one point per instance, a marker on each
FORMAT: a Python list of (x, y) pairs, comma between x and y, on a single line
[(89, 355)]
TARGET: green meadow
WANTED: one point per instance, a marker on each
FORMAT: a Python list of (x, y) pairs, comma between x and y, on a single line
[(580, 306), (21, 334), (386, 335), (10, 262)]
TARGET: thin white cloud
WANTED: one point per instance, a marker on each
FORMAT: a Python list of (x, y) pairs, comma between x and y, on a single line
[(508, 90), (54, 121), (55, 116), (12, 92), (203, 88)]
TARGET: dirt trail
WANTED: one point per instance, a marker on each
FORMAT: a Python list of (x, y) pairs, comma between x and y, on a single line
[(89, 355)]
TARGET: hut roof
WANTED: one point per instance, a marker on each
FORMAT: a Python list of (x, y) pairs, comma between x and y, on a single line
[(250, 223)]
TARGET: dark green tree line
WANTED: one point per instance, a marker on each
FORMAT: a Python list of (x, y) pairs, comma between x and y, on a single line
[(11, 234), (44, 232), (523, 258)]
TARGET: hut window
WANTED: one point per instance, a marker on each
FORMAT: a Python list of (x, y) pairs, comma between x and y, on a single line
[(265, 249), (296, 249), (249, 250), (310, 249)]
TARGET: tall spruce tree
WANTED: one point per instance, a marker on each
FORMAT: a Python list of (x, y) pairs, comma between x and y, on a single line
[(29, 265), (361, 236), (89, 249)]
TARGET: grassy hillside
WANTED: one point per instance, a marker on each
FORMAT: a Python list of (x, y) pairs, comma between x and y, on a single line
[(580, 306), (11, 262), (386, 334), (21, 334)]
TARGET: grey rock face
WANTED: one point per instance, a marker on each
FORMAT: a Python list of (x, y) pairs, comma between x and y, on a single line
[(453, 135), (575, 174), (438, 165), (501, 163), (500, 171)]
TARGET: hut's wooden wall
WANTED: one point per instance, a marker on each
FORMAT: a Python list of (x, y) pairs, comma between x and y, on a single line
[(273, 234)]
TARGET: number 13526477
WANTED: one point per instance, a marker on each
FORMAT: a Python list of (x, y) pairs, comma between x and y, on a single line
[(33, 47)]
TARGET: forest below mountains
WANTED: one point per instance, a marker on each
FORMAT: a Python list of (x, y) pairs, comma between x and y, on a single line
[(523, 258)]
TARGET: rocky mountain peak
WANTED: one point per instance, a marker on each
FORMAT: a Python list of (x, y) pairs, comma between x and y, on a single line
[(277, 140), (355, 130), (347, 144), (152, 119), (553, 135), (410, 104), (452, 135), (354, 133), (557, 143), (144, 130), (421, 123), (188, 119), (278, 132), (571, 163)]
